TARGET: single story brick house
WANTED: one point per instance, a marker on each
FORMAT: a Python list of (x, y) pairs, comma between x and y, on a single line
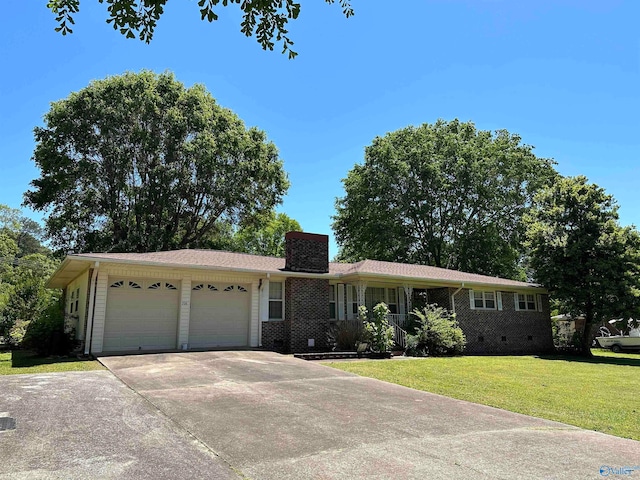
[(198, 299)]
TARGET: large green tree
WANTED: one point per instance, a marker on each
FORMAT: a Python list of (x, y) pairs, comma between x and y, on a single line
[(28, 234), (25, 266), (266, 238), (442, 194), (581, 253), (139, 163), (265, 19)]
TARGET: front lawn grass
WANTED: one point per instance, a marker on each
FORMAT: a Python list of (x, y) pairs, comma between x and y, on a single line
[(597, 394), (19, 361)]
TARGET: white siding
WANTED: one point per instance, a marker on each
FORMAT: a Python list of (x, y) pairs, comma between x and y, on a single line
[(100, 312), (184, 312), (254, 325), (77, 319)]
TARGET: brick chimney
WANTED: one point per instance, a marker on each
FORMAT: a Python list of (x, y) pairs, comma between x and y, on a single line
[(307, 252)]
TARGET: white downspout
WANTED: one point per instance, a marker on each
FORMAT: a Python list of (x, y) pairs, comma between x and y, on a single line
[(261, 303), (453, 298), (92, 303)]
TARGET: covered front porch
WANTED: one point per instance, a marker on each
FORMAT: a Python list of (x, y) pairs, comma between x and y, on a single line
[(346, 298)]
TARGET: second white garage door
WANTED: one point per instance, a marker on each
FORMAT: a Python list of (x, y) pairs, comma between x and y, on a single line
[(220, 314)]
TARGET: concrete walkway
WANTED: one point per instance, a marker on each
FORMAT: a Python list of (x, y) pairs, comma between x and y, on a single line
[(276, 417)]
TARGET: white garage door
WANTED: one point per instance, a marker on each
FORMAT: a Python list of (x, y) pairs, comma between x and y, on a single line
[(141, 314), (219, 315)]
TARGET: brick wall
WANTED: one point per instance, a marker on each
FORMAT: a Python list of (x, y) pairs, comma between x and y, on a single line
[(307, 252), (273, 337), (440, 296), (507, 331), (306, 314)]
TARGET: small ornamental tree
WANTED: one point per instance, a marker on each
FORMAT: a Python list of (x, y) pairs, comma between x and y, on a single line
[(377, 329), (437, 333)]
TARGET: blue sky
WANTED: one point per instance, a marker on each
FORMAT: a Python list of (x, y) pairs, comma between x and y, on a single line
[(564, 75)]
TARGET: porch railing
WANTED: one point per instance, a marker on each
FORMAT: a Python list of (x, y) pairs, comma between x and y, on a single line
[(398, 321)]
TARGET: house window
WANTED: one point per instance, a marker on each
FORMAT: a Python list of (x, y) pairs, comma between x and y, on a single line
[(372, 297), (484, 300), (77, 299), (332, 302), (276, 298), (71, 303), (526, 301), (392, 300), (354, 300)]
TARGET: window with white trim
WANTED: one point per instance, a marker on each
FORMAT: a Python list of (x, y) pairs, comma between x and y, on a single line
[(352, 300), (276, 301), (392, 300), (332, 302), (484, 300), (527, 302), (373, 296)]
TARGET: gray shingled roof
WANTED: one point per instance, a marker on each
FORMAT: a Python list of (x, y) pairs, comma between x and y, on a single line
[(217, 259)]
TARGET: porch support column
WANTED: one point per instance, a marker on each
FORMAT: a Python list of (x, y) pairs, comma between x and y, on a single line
[(408, 291), (361, 288)]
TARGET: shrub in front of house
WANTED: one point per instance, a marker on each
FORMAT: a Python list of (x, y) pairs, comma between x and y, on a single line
[(378, 332), (46, 334), (436, 333), (349, 334)]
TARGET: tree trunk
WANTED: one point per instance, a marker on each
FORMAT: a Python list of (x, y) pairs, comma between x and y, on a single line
[(585, 341)]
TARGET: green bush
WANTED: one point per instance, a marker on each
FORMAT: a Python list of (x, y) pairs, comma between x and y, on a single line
[(436, 334), (46, 334), (345, 335), (378, 332)]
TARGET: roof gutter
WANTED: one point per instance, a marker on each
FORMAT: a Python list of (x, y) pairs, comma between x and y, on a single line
[(183, 266), (452, 283)]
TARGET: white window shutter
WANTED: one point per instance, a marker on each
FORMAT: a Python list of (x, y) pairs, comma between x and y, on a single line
[(401, 301), (539, 302), (341, 308), (499, 300), (515, 302), (472, 303)]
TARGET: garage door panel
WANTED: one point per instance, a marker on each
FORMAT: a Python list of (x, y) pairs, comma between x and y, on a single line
[(141, 314), (219, 315)]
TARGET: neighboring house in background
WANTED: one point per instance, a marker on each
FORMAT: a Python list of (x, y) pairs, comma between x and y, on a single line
[(192, 299)]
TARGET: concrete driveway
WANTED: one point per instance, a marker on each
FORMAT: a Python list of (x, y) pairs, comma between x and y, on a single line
[(88, 425), (276, 417)]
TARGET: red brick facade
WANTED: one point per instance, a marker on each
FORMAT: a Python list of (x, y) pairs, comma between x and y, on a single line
[(306, 314), (307, 252), (505, 331)]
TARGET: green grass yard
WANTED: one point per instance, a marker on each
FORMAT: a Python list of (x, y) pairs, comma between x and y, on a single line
[(16, 362), (599, 394)]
